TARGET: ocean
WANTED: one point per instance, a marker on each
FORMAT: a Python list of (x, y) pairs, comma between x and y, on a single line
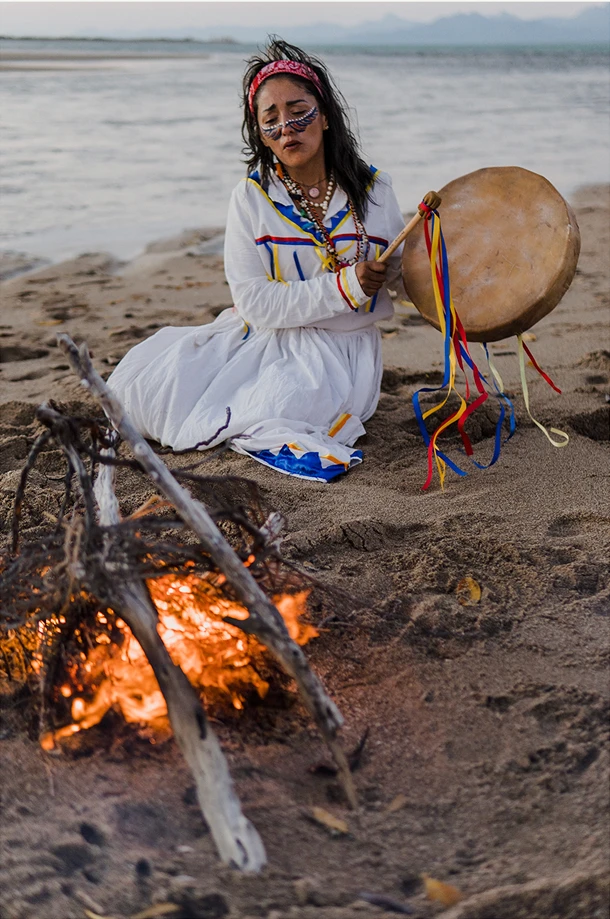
[(109, 153)]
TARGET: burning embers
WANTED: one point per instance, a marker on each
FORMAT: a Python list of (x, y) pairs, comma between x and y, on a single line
[(220, 660)]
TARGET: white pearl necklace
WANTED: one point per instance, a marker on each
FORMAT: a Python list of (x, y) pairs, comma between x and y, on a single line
[(297, 190)]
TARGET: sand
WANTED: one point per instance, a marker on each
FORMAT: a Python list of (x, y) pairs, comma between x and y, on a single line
[(487, 759)]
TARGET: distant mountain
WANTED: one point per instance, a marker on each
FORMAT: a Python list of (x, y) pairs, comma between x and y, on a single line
[(591, 26)]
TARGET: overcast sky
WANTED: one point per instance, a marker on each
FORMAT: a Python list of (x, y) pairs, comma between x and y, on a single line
[(82, 18)]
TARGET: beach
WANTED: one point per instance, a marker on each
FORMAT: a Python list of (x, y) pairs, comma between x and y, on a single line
[(486, 763)]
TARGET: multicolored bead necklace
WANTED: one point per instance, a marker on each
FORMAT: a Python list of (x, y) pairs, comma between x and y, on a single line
[(305, 208)]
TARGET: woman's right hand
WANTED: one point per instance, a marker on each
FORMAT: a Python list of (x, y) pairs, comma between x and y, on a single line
[(371, 276)]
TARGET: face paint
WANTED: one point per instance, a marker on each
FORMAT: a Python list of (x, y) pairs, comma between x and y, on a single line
[(274, 131)]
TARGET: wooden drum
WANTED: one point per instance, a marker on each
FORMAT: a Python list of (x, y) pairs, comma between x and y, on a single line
[(513, 245)]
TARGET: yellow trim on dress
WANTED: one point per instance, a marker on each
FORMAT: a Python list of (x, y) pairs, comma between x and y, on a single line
[(339, 423), (333, 459), (276, 264)]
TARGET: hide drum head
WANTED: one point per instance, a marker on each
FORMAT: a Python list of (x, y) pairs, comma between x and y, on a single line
[(512, 244)]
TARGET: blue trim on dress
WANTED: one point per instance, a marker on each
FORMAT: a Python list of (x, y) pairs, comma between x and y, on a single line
[(298, 264), (271, 262), (308, 466)]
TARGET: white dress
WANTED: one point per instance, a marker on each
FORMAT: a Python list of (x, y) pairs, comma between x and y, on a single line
[(296, 360)]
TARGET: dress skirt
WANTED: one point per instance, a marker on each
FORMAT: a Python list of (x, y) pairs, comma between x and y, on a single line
[(293, 399)]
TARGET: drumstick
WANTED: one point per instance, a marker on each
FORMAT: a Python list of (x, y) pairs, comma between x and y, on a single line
[(432, 200)]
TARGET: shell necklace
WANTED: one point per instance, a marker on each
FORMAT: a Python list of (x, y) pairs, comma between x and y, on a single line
[(296, 190)]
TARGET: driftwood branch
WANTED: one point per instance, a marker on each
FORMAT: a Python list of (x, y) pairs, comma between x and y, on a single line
[(236, 838), (264, 621)]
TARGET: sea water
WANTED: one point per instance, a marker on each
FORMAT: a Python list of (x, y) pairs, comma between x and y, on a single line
[(109, 154)]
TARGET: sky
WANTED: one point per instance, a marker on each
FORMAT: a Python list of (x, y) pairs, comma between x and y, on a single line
[(53, 19)]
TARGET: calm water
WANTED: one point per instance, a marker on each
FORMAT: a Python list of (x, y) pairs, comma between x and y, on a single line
[(124, 152)]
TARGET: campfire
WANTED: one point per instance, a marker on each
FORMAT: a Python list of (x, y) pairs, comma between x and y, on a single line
[(129, 614), (220, 661)]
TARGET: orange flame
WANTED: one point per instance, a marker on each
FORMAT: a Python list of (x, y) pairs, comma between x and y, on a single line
[(217, 657)]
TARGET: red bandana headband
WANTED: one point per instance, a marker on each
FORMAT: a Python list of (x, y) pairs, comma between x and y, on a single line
[(291, 67)]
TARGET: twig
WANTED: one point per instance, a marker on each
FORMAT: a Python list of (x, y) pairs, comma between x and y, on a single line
[(265, 621), (63, 431), (387, 903), (39, 443)]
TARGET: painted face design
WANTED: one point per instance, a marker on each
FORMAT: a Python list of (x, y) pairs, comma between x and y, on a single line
[(274, 131)]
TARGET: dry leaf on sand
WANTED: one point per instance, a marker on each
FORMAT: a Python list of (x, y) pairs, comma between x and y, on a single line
[(332, 823), (442, 893), (396, 804), (468, 591), (528, 336)]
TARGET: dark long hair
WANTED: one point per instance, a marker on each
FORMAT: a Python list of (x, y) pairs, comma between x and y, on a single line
[(341, 149)]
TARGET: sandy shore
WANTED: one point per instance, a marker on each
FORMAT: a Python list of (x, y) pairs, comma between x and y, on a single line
[(488, 720)]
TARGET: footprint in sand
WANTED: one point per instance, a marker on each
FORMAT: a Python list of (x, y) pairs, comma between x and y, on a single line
[(577, 524), (395, 377), (10, 353), (594, 425), (32, 375), (596, 360)]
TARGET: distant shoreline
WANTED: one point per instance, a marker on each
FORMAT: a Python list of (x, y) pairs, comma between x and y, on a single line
[(22, 57), (337, 46), (125, 41)]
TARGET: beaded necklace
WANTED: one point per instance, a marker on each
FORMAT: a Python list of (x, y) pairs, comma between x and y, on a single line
[(296, 188), (305, 210)]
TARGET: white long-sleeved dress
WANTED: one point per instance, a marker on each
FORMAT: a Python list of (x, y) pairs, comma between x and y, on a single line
[(296, 360)]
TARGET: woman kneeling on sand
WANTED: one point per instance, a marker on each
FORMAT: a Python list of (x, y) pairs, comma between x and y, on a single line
[(297, 360)]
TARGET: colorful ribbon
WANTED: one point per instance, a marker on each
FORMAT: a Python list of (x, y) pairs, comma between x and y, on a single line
[(457, 354)]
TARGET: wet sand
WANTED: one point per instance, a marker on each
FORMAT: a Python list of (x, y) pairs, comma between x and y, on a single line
[(487, 759)]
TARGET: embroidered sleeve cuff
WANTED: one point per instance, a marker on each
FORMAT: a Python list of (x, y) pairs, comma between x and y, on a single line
[(350, 289)]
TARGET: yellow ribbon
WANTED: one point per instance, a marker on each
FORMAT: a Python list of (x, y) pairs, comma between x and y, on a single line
[(328, 260), (440, 310)]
